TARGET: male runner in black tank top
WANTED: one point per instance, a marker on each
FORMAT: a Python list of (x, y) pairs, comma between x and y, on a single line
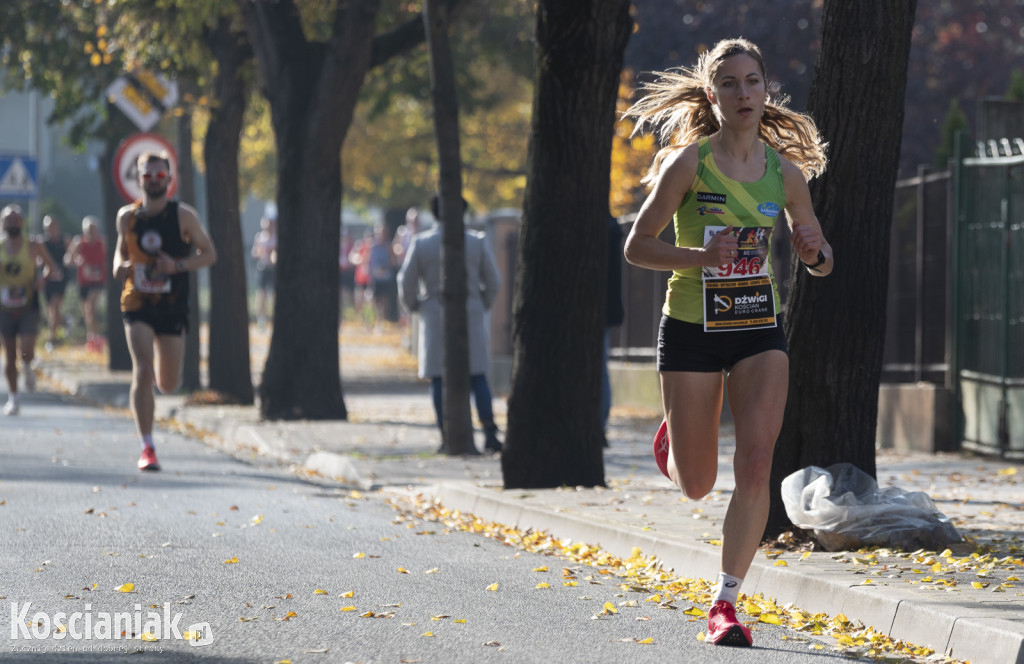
[(158, 243)]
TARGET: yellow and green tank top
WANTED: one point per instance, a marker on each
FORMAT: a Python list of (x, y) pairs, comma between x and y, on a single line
[(17, 276), (717, 200)]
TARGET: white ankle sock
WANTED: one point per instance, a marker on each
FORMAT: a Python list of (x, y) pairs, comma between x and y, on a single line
[(728, 588), (147, 441)]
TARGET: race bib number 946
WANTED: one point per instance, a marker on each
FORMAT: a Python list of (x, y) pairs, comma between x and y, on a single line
[(740, 295)]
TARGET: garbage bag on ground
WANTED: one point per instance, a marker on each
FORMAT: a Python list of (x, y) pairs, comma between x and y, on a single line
[(846, 509)]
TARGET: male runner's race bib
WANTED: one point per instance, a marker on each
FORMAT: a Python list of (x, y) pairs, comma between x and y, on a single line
[(148, 280), (740, 295), (13, 297)]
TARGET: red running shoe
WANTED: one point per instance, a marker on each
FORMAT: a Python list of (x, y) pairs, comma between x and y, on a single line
[(148, 459), (661, 448), (724, 629)]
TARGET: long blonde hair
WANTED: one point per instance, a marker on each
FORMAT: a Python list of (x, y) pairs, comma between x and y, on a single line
[(676, 105)]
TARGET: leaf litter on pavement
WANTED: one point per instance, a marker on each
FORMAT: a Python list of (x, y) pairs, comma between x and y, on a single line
[(667, 591)]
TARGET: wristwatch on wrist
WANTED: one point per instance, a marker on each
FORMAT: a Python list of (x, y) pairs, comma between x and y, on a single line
[(821, 261), (180, 266)]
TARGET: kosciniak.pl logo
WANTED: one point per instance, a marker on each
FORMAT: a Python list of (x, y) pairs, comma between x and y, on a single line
[(104, 625)]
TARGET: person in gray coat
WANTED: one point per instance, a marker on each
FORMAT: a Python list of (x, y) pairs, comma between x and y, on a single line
[(419, 288)]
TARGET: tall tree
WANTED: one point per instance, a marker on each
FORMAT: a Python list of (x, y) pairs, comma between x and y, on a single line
[(458, 424), (228, 358), (554, 429), (832, 410), (312, 82)]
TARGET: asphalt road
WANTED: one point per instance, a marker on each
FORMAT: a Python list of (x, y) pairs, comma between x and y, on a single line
[(270, 568)]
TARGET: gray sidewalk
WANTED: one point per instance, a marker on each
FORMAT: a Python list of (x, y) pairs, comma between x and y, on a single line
[(971, 608)]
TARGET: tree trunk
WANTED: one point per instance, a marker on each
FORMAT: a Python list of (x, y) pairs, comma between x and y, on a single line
[(119, 359), (230, 373), (831, 414), (554, 434), (458, 421), (190, 378), (312, 88)]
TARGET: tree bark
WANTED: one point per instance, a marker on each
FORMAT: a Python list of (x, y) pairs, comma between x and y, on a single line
[(458, 420), (190, 378), (554, 433), (119, 358), (230, 373), (312, 88), (857, 99), (115, 128)]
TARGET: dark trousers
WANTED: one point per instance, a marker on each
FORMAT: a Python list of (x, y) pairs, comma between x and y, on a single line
[(481, 395)]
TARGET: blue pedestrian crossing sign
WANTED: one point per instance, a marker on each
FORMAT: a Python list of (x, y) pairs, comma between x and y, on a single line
[(18, 177)]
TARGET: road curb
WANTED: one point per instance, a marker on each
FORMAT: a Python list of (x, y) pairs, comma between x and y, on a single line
[(899, 613)]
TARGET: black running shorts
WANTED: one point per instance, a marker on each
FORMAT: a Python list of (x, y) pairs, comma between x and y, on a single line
[(687, 347), (163, 322)]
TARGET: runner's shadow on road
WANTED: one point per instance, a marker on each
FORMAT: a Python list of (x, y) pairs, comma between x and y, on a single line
[(175, 476)]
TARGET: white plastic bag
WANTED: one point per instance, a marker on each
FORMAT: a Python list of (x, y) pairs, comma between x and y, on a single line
[(846, 509)]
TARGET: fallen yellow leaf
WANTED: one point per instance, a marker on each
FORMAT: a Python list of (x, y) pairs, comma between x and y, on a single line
[(781, 563), (543, 585), (232, 561), (318, 591), (493, 587), (647, 640), (540, 569), (402, 570), (769, 618), (609, 608), (359, 555), (148, 636), (350, 593), (347, 608), (427, 634)]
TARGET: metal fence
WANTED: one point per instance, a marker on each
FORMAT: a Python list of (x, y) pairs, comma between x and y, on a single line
[(988, 298), (918, 311)]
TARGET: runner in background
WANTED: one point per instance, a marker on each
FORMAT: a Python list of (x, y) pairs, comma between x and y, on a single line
[(56, 243), (88, 253), (19, 300)]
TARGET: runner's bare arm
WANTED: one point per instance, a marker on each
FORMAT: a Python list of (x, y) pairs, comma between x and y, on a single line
[(643, 246), (72, 251), (192, 231), (806, 236), (41, 255), (122, 264)]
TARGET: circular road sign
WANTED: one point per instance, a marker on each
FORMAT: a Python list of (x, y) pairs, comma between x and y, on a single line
[(126, 169)]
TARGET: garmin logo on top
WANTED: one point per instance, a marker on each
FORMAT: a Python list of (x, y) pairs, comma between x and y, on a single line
[(708, 197)]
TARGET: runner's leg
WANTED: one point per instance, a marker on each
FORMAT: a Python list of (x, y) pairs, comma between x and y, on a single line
[(693, 406), (757, 388)]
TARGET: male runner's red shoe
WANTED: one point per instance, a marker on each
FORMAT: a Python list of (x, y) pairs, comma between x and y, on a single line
[(661, 448), (148, 459), (724, 629)]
